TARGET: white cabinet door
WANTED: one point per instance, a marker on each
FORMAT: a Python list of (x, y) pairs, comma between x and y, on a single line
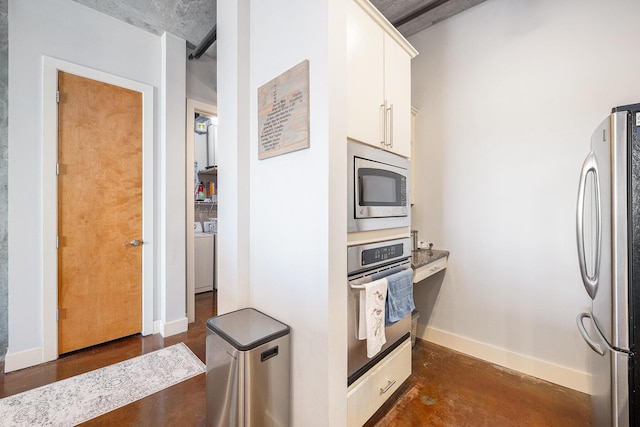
[(365, 77), (378, 81), (397, 77)]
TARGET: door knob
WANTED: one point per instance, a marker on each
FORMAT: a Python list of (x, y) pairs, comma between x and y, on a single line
[(135, 242)]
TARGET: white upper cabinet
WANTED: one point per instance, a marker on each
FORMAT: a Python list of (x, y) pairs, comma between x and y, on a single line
[(397, 84), (379, 81), (365, 77)]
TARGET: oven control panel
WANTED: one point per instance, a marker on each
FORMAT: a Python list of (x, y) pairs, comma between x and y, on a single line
[(383, 253), (370, 255)]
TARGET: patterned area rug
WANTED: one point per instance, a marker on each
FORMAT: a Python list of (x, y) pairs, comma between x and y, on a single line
[(83, 397)]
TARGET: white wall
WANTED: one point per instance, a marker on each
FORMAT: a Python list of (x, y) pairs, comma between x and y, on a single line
[(233, 150), (297, 239), (509, 93), (202, 80), (171, 175), (68, 31), (292, 209)]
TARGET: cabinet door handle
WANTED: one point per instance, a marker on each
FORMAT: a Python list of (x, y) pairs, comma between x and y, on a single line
[(383, 124), (390, 125), (385, 389)]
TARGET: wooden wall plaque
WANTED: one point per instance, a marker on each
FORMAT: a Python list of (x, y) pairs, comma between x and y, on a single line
[(283, 113)]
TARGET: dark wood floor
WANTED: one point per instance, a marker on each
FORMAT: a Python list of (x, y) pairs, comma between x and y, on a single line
[(180, 405), (445, 389)]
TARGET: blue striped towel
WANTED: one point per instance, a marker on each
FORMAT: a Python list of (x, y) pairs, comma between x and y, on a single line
[(399, 296)]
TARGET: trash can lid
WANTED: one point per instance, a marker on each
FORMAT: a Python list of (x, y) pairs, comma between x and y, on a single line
[(247, 328)]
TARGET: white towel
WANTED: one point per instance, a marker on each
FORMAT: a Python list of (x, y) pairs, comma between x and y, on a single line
[(371, 323)]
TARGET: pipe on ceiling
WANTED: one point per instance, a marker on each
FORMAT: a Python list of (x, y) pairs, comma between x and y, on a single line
[(208, 40), (419, 12)]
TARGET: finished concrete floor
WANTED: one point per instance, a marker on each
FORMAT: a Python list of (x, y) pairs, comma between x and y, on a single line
[(446, 388)]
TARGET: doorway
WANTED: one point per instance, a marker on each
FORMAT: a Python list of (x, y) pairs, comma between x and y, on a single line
[(50, 297), (195, 107)]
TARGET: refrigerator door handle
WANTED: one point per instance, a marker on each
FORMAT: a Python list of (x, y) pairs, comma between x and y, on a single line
[(590, 165), (585, 335)]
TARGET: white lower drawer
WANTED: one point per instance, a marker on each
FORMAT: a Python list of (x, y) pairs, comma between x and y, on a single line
[(429, 270), (369, 392)]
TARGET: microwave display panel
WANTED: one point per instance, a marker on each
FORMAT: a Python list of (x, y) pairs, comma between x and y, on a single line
[(380, 187)]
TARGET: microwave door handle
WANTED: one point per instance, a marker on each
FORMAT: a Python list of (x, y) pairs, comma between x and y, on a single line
[(590, 282)]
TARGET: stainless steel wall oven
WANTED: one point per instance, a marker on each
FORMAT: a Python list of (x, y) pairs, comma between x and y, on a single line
[(365, 262)]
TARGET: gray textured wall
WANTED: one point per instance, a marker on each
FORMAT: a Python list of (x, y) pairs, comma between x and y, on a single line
[(4, 163)]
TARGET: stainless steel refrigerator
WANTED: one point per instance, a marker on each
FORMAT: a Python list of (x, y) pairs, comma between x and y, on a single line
[(608, 237)]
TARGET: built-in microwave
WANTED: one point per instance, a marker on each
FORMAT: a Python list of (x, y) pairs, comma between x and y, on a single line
[(378, 187)]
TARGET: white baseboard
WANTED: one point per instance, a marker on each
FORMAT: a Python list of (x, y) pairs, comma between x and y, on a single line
[(556, 374), (171, 328), (34, 356), (23, 359)]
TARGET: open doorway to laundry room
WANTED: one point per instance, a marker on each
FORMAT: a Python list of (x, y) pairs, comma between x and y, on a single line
[(201, 201)]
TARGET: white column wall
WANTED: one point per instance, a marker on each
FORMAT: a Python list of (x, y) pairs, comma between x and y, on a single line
[(171, 197), (232, 249), (509, 94), (297, 227), (294, 202)]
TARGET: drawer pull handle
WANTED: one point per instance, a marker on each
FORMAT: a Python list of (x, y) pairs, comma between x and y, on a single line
[(385, 389)]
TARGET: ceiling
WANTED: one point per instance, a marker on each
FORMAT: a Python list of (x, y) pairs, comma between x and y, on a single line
[(412, 16), (193, 19)]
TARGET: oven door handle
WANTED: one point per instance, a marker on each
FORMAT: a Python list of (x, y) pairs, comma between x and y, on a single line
[(358, 284), (356, 287)]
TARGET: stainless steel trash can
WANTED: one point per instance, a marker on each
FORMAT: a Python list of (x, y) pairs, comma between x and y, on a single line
[(248, 370)]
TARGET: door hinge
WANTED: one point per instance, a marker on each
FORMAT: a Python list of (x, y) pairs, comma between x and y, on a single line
[(57, 168), (57, 314), (58, 96), (57, 242)]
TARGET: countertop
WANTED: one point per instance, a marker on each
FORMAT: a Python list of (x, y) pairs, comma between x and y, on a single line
[(423, 257)]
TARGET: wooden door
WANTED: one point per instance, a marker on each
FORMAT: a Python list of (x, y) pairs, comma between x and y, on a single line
[(99, 210)]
